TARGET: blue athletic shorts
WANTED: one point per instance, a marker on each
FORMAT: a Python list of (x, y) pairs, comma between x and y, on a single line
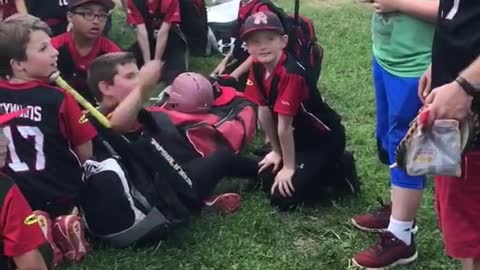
[(397, 104)]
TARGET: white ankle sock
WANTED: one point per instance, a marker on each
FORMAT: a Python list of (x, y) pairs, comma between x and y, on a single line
[(401, 229)]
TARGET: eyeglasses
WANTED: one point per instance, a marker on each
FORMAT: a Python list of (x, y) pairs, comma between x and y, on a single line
[(90, 16)]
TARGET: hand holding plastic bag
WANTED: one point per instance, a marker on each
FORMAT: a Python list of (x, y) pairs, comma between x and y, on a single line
[(436, 150)]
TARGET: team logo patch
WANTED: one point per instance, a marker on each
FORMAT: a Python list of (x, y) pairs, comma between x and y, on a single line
[(260, 18), (83, 119), (30, 220), (249, 82)]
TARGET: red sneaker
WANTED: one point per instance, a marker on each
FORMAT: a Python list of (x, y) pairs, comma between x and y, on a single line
[(387, 253), (45, 223), (226, 203), (69, 234), (377, 220)]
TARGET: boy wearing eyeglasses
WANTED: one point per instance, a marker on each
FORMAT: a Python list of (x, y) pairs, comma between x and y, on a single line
[(85, 42)]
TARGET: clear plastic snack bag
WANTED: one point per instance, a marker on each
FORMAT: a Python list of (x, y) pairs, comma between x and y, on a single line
[(436, 151)]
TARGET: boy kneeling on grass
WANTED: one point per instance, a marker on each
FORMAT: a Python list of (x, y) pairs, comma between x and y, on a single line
[(307, 137), (20, 235)]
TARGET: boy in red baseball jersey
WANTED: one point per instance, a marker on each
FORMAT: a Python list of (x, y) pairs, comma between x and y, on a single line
[(85, 42), (306, 135), (50, 140)]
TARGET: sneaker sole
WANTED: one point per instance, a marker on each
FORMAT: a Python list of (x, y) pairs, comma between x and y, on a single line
[(397, 263), (379, 230)]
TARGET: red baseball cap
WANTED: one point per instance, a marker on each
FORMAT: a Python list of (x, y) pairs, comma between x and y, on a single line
[(263, 20), (108, 4), (7, 117)]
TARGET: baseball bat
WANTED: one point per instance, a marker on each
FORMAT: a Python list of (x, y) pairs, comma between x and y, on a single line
[(58, 80)]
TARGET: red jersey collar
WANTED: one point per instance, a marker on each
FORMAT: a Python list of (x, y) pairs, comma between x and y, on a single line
[(22, 86), (279, 65), (79, 60)]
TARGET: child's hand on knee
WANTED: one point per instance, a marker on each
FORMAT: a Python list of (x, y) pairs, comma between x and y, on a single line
[(271, 159), (283, 181)]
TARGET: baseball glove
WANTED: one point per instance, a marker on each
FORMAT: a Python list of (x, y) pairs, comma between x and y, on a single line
[(437, 150)]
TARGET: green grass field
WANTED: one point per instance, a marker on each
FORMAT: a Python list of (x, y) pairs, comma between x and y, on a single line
[(256, 237)]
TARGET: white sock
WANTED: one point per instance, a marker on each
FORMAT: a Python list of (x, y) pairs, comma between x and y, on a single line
[(401, 229)]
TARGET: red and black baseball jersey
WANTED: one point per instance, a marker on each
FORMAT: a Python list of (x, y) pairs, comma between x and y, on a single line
[(40, 154), (457, 39), (7, 8), (73, 66), (153, 14), (19, 229), (287, 92)]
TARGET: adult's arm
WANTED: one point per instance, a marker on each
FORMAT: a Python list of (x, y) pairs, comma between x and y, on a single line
[(472, 73)]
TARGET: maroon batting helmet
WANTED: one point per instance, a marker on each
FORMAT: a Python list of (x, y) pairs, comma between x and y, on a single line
[(190, 93)]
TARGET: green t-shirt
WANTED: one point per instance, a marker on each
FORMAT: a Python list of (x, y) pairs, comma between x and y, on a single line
[(402, 44)]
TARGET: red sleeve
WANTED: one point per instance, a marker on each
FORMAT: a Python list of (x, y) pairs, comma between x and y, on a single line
[(110, 46), (58, 41), (171, 9), (134, 17), (252, 92), (292, 90), (75, 125), (20, 230)]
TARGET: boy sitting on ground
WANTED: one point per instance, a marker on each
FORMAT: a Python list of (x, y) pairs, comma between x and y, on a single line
[(307, 137), (51, 139), (20, 235), (114, 79), (85, 42)]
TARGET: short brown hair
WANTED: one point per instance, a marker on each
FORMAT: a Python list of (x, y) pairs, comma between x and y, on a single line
[(14, 37), (104, 68)]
